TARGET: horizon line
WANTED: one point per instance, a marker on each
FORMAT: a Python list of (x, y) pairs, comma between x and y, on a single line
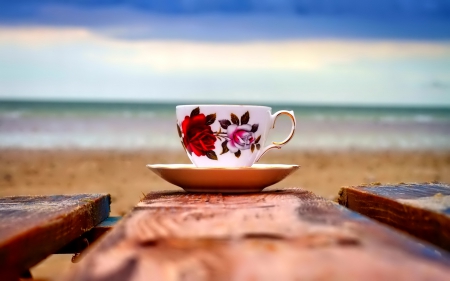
[(193, 102)]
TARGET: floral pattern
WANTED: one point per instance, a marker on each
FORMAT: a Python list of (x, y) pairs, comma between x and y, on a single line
[(197, 136)]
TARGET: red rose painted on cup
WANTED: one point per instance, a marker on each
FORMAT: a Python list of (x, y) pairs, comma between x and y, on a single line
[(198, 136)]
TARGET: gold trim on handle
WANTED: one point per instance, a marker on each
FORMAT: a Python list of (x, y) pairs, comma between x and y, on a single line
[(292, 131), (275, 144)]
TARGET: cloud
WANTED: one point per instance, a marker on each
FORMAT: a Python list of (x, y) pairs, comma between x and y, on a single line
[(136, 23), (76, 63), (168, 55)]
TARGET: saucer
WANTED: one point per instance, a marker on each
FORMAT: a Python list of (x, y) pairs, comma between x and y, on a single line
[(225, 180)]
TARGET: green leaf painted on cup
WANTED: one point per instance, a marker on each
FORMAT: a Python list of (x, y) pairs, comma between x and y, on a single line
[(224, 123), (211, 155), (195, 112), (179, 130), (224, 147), (234, 119), (211, 118), (245, 118)]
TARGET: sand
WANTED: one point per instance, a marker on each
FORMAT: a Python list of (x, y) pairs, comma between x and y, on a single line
[(123, 174)]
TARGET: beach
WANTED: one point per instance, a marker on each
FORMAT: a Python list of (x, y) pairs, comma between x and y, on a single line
[(66, 148), (89, 89), (123, 175)]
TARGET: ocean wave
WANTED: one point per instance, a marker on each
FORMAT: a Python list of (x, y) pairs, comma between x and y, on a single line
[(13, 114), (154, 128), (45, 140)]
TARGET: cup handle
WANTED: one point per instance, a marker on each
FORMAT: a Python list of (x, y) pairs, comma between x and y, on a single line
[(275, 144)]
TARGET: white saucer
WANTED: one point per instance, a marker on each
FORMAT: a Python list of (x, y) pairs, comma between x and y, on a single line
[(225, 180)]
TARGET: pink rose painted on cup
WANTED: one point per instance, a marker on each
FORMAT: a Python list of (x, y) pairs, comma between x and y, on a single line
[(240, 137), (239, 134)]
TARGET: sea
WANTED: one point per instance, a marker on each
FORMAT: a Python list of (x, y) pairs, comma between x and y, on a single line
[(151, 126)]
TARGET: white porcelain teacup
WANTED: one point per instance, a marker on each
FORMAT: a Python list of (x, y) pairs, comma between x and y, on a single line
[(227, 135)]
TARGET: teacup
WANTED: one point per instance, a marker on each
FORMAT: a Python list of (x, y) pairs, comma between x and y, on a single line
[(227, 135)]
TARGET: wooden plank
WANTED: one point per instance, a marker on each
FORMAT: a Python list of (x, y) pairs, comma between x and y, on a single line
[(422, 210), (81, 243), (33, 227), (275, 235)]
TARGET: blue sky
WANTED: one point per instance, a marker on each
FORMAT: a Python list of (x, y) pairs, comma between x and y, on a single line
[(391, 8), (382, 52)]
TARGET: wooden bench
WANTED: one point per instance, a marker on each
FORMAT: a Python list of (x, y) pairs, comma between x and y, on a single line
[(422, 210), (86, 239), (34, 227), (288, 234)]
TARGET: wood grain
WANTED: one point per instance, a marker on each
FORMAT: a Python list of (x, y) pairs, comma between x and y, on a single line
[(33, 227), (286, 234), (422, 210)]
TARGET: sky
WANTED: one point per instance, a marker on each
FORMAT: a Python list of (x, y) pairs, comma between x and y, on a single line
[(316, 52)]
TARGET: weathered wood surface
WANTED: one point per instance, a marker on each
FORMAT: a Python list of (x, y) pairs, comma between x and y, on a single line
[(422, 210), (33, 227), (81, 243), (275, 235)]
